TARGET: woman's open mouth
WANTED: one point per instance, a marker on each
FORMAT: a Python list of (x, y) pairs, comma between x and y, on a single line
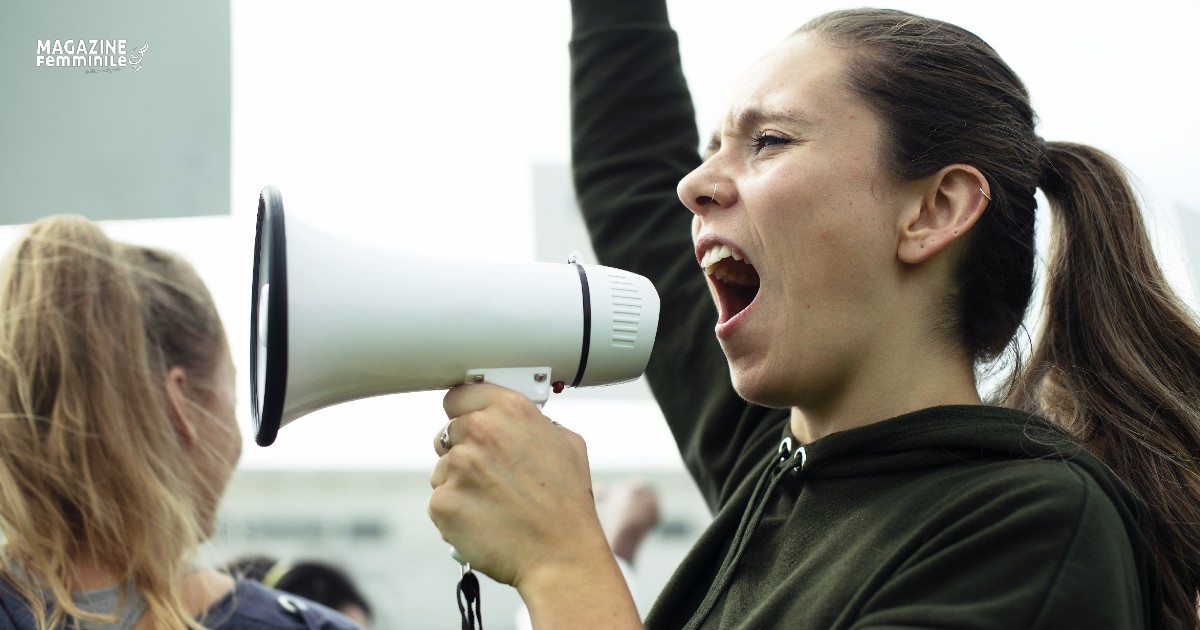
[(734, 279)]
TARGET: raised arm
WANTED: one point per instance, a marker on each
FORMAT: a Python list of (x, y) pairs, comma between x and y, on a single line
[(633, 138)]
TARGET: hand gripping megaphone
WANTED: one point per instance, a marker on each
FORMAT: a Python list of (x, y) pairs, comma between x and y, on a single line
[(334, 321)]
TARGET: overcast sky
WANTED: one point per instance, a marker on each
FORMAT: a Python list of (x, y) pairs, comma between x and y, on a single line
[(415, 125)]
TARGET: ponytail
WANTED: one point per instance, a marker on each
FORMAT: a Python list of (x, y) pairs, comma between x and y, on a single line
[(1117, 362)]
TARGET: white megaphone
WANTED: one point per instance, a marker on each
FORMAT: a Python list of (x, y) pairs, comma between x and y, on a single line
[(333, 321)]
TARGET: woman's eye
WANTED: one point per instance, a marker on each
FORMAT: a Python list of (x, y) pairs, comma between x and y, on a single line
[(764, 139)]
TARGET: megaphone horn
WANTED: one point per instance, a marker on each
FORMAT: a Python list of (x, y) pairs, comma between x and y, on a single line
[(333, 321)]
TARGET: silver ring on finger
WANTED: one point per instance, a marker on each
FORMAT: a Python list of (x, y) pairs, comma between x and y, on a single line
[(445, 439)]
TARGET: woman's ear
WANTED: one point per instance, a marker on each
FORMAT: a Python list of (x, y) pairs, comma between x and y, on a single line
[(954, 199), (178, 404)]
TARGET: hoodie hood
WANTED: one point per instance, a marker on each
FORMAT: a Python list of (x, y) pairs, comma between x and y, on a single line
[(931, 438)]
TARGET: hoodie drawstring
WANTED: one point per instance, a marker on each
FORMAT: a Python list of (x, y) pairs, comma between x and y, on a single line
[(787, 458)]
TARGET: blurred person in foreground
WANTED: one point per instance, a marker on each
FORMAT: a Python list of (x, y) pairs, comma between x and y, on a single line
[(117, 439)]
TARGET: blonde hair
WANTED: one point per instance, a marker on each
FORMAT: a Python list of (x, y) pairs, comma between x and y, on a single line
[(90, 462)]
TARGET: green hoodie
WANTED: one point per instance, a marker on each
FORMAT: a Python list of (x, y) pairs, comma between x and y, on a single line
[(951, 517)]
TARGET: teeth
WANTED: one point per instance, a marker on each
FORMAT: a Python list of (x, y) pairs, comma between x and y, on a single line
[(732, 277), (716, 255)]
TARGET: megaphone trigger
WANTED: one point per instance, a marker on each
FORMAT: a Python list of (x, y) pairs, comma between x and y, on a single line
[(534, 383)]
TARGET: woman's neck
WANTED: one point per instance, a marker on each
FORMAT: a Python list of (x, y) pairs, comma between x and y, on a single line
[(201, 587), (909, 384), (89, 574)]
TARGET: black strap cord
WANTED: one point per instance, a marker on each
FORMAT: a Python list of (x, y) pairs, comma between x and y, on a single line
[(468, 600)]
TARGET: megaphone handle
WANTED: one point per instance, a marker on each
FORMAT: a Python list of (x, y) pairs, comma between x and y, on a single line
[(534, 383)]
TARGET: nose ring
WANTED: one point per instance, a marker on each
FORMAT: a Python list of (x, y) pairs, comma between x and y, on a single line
[(713, 196)]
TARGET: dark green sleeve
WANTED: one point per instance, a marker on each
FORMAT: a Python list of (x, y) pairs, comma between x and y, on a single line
[(633, 138)]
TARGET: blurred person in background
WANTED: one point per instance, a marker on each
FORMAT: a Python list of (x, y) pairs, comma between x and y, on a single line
[(315, 580)]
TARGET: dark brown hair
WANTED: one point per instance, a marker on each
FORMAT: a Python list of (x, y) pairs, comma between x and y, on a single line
[(1117, 361)]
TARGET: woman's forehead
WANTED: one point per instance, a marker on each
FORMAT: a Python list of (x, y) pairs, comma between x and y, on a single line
[(798, 74), (799, 84)]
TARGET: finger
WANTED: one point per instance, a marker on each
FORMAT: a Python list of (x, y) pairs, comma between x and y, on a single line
[(443, 440), (467, 398), (471, 397), (440, 473)]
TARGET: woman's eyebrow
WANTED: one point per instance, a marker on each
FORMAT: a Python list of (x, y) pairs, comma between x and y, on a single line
[(756, 116)]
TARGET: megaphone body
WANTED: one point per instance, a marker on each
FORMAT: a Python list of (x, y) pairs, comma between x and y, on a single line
[(334, 320)]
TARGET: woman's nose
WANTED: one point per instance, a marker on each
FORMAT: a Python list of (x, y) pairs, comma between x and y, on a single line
[(704, 190)]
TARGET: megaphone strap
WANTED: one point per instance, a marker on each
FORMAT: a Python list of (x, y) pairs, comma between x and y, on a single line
[(468, 601)]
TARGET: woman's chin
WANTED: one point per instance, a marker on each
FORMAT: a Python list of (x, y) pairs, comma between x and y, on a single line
[(760, 391)]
